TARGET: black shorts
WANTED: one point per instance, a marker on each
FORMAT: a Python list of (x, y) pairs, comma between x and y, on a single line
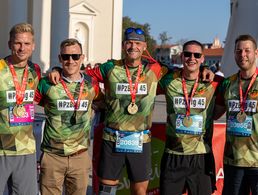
[(111, 163), (180, 172)]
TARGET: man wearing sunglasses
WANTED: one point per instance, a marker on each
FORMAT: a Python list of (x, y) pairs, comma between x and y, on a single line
[(67, 105), (187, 161), (19, 78), (239, 100), (130, 91)]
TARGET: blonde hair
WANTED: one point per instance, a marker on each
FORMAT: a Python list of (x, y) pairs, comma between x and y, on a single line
[(20, 28)]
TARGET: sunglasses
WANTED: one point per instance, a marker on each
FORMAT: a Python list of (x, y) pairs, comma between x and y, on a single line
[(67, 56), (137, 30), (189, 54)]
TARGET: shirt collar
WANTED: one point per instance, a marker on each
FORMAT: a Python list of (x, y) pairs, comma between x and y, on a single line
[(69, 81)]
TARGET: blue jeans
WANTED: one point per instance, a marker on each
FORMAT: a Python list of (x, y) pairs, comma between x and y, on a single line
[(240, 180)]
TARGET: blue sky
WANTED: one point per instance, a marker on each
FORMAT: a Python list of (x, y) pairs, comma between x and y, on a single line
[(202, 20)]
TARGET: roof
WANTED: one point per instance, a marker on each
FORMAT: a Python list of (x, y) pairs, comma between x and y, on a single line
[(213, 52)]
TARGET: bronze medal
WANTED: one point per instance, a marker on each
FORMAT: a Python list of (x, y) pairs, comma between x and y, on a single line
[(19, 110), (241, 116), (73, 118), (132, 108), (187, 121)]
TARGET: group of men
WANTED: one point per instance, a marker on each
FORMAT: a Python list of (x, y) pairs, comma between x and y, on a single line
[(130, 87)]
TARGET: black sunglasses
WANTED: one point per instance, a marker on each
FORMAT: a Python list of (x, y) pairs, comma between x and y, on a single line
[(189, 54), (67, 56), (137, 30)]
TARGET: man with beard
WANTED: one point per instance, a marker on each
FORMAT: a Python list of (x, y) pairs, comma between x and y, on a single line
[(19, 78), (239, 100)]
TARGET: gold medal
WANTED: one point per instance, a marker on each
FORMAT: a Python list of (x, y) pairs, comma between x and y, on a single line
[(241, 116), (187, 121), (19, 110), (132, 108)]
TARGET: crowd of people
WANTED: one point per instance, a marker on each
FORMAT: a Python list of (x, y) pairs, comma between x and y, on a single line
[(194, 96)]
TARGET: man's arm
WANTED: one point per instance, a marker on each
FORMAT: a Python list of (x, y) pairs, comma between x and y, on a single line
[(54, 75)]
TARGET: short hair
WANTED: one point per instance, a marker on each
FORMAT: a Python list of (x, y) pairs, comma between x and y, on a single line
[(69, 42), (20, 28), (193, 42), (246, 37)]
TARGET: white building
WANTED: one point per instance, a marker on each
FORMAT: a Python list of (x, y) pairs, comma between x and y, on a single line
[(96, 23), (168, 54), (243, 20)]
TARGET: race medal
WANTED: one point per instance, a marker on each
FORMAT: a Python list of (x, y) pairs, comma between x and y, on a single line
[(19, 110), (132, 108), (241, 117), (187, 121), (73, 118)]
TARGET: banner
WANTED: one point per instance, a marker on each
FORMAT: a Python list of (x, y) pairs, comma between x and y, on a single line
[(157, 144)]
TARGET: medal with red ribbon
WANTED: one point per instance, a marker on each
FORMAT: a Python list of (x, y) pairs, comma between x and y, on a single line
[(132, 107), (76, 104), (188, 121), (241, 116), (19, 110)]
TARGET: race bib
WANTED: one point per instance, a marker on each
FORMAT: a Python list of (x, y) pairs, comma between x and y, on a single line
[(129, 142), (67, 105), (239, 129), (124, 89), (234, 106), (27, 119), (194, 129), (197, 102), (11, 96)]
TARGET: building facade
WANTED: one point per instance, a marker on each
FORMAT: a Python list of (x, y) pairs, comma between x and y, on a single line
[(97, 24)]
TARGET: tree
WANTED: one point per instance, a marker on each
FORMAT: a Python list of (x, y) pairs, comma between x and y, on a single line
[(127, 22), (164, 38)]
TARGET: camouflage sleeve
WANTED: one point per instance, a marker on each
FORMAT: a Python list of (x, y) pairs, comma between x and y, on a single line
[(41, 91)]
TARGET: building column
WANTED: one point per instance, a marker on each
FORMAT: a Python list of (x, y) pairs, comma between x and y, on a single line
[(117, 26), (41, 21)]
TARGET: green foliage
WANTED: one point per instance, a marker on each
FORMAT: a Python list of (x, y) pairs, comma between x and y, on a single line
[(127, 22)]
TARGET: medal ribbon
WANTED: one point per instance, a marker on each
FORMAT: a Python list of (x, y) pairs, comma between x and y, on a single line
[(77, 103), (133, 89), (20, 90), (187, 100), (242, 99)]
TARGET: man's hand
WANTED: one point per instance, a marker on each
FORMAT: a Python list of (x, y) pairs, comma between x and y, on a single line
[(207, 75), (54, 77)]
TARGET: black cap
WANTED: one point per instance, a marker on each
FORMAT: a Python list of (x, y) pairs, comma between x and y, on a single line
[(134, 34)]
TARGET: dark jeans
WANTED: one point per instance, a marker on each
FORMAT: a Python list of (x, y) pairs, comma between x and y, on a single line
[(240, 180)]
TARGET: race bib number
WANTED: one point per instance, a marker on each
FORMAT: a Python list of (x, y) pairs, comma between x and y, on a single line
[(27, 119), (197, 102), (194, 129), (124, 89), (250, 106), (243, 129), (11, 96), (129, 142), (67, 105)]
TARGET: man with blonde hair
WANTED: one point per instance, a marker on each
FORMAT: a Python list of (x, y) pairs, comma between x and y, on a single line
[(19, 78)]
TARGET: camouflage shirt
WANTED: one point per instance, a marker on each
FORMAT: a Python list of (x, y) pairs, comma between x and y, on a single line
[(62, 135), (18, 139), (240, 150), (202, 105)]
